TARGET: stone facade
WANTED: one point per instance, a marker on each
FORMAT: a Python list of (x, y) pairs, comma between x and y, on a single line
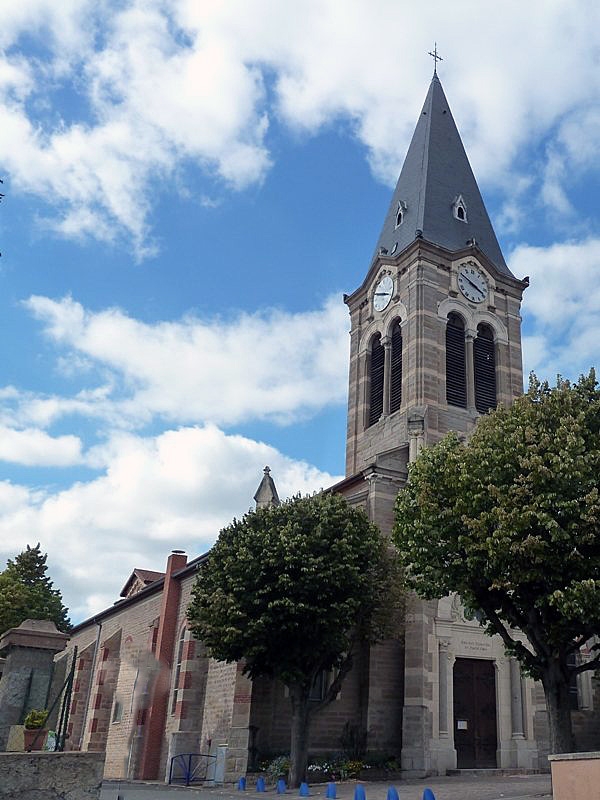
[(441, 694)]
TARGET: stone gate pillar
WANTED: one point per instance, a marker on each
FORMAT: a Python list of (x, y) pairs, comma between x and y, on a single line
[(25, 684)]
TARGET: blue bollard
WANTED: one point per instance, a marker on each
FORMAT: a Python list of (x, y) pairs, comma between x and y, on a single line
[(281, 787), (392, 793), (260, 785), (331, 793), (359, 792), (428, 795), (242, 785), (304, 790)]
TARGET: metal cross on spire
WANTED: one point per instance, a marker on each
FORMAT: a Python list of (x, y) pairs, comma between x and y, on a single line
[(435, 57)]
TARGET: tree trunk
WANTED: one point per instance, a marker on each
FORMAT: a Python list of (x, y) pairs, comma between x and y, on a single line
[(556, 690), (300, 729)]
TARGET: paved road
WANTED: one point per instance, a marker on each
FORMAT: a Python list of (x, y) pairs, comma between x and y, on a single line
[(456, 787)]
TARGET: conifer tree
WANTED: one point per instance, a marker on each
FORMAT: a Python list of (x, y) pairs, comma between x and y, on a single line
[(26, 592)]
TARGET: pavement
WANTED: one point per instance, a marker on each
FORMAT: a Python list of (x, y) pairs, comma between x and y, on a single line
[(464, 786)]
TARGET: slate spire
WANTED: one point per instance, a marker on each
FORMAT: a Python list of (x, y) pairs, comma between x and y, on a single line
[(435, 182)]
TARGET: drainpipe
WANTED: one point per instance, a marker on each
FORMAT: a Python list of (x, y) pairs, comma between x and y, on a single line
[(157, 713)]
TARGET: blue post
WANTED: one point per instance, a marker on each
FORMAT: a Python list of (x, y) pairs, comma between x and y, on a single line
[(281, 787), (428, 795), (392, 793), (304, 790), (260, 784), (242, 785), (331, 794), (359, 792)]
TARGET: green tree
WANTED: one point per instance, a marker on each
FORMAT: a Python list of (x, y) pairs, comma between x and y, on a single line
[(511, 522), (293, 590), (26, 592)]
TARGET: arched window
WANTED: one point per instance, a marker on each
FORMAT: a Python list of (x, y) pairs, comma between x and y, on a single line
[(484, 368), (456, 376), (396, 368), (376, 365)]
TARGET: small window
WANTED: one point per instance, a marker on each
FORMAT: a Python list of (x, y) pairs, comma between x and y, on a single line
[(572, 661), (117, 714), (459, 209), (400, 213), (319, 688), (176, 689)]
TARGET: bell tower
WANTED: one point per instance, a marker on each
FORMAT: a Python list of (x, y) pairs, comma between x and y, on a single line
[(435, 325), (435, 343)]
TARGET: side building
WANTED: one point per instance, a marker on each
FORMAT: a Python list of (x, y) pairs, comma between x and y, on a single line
[(435, 343)]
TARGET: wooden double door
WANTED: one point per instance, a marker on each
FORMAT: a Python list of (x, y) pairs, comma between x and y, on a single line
[(475, 736)]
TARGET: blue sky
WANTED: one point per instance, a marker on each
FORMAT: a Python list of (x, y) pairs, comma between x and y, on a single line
[(190, 188)]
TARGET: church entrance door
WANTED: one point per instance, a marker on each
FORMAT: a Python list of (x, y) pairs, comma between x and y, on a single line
[(475, 736)]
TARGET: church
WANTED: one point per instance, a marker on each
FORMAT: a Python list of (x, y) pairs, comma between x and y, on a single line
[(435, 342)]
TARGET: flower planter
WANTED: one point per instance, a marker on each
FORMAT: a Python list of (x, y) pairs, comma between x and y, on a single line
[(34, 738)]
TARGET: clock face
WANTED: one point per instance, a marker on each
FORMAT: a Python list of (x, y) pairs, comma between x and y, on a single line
[(472, 283), (383, 293)]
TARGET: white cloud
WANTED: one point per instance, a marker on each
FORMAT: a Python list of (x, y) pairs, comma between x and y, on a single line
[(273, 365), (562, 307), (164, 82), (175, 490), (32, 447)]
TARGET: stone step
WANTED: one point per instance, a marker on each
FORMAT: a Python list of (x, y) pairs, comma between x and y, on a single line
[(482, 773)]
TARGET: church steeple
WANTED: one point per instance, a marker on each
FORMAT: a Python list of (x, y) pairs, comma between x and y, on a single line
[(435, 325), (437, 197)]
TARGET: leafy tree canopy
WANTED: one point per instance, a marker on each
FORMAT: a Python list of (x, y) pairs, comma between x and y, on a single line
[(26, 592), (511, 521), (291, 590)]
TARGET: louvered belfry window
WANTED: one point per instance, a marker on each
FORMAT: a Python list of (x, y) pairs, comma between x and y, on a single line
[(376, 380), (396, 366), (484, 363), (456, 376)]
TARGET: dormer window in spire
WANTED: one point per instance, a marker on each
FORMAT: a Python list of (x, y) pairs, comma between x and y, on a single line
[(400, 213), (459, 209)]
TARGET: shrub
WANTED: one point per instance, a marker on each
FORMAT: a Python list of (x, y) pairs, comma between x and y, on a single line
[(35, 719)]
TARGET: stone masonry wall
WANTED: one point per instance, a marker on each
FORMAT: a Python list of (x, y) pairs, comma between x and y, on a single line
[(51, 776), (130, 685)]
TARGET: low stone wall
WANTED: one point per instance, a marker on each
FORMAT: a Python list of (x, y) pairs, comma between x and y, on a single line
[(51, 776), (575, 776)]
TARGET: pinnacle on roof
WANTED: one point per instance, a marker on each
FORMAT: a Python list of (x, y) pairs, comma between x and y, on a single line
[(437, 197), (266, 494)]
